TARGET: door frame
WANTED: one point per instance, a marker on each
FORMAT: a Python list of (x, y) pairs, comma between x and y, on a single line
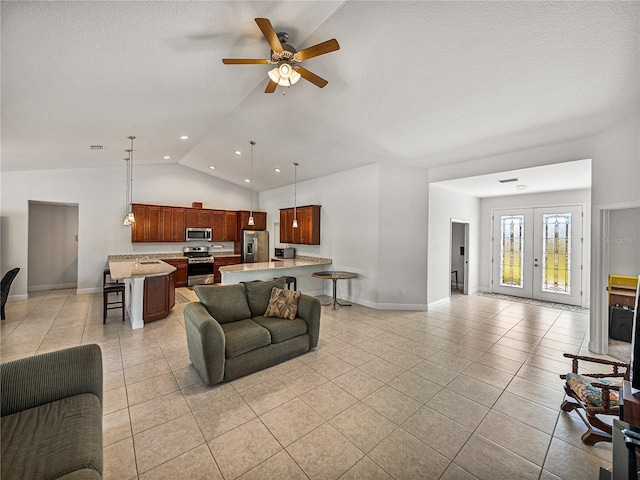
[(465, 273), (599, 314)]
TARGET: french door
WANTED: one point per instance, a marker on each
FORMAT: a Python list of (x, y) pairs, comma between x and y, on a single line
[(537, 253)]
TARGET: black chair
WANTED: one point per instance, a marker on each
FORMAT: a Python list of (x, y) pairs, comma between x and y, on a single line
[(111, 287), (6, 285), (289, 280)]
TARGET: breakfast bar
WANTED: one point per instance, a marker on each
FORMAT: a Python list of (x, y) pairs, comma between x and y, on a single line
[(300, 267), (134, 273)]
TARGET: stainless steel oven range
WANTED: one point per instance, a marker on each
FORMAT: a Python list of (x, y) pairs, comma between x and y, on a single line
[(199, 265)]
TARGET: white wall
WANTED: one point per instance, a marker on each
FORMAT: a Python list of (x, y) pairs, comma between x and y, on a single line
[(100, 196), (624, 242), (53, 246), (446, 205), (547, 199), (373, 222)]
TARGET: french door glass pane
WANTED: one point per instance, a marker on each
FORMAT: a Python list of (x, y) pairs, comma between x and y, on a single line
[(511, 250), (556, 252)]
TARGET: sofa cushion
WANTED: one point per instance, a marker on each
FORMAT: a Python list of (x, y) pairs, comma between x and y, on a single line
[(243, 336), (258, 294), (282, 304), (53, 439), (225, 303), (282, 329)]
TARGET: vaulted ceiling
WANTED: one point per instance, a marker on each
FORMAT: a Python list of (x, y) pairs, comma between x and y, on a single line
[(414, 83)]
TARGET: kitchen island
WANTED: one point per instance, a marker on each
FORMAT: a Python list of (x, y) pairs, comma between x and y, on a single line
[(159, 295), (300, 267)]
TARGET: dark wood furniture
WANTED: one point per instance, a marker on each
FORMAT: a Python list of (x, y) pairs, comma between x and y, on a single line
[(159, 297), (259, 219), (597, 429), (174, 222), (308, 231), (220, 261), (224, 225), (147, 227), (181, 272)]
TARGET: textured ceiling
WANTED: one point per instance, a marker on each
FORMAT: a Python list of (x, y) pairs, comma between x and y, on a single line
[(414, 83)]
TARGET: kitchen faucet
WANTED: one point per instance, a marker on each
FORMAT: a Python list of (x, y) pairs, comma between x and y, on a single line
[(138, 259)]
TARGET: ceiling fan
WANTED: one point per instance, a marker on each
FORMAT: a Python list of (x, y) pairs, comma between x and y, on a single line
[(286, 58)]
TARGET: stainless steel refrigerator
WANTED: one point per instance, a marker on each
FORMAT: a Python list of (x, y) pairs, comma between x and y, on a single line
[(255, 246)]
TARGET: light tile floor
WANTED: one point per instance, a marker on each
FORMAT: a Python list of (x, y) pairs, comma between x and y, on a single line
[(467, 391)]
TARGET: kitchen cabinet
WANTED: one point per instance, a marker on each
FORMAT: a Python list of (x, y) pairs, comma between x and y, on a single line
[(173, 224), (224, 224), (147, 227), (220, 261), (308, 231), (181, 272), (198, 218), (159, 297), (259, 219)]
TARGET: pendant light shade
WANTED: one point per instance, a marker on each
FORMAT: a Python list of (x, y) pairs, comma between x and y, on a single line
[(284, 75), (295, 195), (251, 220), (129, 217)]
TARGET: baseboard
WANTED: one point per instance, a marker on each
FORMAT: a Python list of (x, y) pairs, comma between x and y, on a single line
[(439, 303), (17, 298), (83, 291), (57, 286)]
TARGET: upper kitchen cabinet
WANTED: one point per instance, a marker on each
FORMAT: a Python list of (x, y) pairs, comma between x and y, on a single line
[(224, 225), (308, 231), (259, 220), (147, 227), (198, 218), (173, 224)]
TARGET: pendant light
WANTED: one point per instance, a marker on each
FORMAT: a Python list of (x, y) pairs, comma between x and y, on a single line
[(295, 195), (129, 217), (251, 221)]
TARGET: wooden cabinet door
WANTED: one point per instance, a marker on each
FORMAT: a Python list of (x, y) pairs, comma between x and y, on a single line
[(166, 217), (138, 228), (171, 291), (222, 262), (230, 226), (155, 224), (217, 226), (308, 231), (181, 270), (204, 219), (179, 225), (192, 217), (155, 302), (259, 219), (286, 232)]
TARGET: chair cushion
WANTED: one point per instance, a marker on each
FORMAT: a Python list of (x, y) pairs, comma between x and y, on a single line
[(283, 304), (53, 439), (226, 303), (590, 395), (243, 336), (282, 329), (258, 294)]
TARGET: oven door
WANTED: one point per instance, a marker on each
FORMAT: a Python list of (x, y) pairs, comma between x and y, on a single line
[(200, 274)]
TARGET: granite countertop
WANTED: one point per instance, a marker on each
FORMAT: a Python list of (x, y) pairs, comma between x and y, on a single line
[(300, 261), (170, 255), (146, 268)]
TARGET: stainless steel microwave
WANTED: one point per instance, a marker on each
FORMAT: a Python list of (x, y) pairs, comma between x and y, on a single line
[(201, 234)]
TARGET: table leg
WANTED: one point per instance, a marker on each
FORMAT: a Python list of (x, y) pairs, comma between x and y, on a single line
[(335, 300)]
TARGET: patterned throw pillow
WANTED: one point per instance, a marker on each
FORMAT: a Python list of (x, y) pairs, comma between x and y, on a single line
[(283, 304)]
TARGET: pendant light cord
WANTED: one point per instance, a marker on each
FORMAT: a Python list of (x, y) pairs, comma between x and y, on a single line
[(251, 177)]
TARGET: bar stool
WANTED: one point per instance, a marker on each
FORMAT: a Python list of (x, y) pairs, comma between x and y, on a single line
[(289, 280), (111, 287)]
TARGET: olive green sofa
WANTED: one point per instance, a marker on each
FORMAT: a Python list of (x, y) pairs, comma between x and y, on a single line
[(51, 423), (228, 335)]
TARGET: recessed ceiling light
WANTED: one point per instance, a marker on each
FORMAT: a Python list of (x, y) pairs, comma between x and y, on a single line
[(212, 167), (167, 157), (238, 152), (184, 137), (277, 170), (521, 187), (247, 180)]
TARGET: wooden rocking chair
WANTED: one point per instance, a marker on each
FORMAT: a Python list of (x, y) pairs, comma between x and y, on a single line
[(591, 394)]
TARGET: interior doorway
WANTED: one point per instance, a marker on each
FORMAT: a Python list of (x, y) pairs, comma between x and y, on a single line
[(52, 246), (537, 253), (458, 257)]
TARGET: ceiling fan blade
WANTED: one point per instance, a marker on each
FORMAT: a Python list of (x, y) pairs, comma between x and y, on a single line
[(270, 34), (271, 87), (319, 49), (311, 77), (244, 61)]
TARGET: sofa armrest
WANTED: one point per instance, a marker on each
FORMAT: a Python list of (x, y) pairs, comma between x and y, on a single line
[(206, 343), (309, 309), (41, 379)]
